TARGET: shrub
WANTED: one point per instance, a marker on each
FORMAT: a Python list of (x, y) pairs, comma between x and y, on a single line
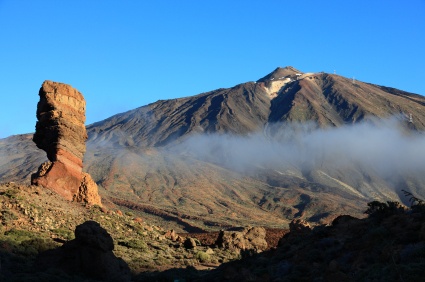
[(17, 235), (413, 200), (417, 205), (202, 256), (7, 217), (64, 233), (11, 193), (134, 244), (378, 209), (36, 246)]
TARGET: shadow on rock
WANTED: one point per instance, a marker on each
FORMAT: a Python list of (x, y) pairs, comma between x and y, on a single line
[(89, 254)]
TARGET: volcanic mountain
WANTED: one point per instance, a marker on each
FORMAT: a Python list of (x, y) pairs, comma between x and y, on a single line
[(178, 160), (286, 94)]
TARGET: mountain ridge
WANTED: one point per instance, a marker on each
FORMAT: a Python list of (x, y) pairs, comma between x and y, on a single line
[(248, 106)]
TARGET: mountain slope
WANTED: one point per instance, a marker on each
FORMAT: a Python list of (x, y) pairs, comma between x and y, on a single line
[(238, 110), (145, 158), (281, 96)]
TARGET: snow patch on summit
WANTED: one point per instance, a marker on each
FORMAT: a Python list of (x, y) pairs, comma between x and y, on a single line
[(275, 86)]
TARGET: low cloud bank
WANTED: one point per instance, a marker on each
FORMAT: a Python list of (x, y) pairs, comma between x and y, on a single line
[(386, 147)]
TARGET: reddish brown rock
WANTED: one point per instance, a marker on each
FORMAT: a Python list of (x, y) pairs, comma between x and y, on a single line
[(173, 236), (61, 133), (299, 226), (88, 191), (249, 238)]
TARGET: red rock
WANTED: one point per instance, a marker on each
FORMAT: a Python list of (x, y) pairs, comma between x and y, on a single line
[(88, 191), (138, 220), (172, 235), (61, 133)]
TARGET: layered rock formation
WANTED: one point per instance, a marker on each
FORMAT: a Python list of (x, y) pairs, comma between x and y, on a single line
[(61, 133)]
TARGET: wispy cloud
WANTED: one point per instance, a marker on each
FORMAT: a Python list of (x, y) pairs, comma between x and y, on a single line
[(382, 146)]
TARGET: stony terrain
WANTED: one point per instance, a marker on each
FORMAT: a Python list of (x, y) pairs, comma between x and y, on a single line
[(387, 246), (37, 226), (35, 219)]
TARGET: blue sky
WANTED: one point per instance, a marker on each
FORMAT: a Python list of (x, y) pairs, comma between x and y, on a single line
[(125, 54)]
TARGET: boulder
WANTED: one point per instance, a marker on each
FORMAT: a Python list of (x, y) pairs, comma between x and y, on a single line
[(249, 238), (189, 243), (88, 191), (172, 235), (344, 220), (299, 226), (89, 254), (61, 133)]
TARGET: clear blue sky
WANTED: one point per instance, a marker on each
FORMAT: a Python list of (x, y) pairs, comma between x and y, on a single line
[(126, 54)]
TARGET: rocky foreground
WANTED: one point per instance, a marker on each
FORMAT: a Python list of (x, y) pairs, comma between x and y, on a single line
[(44, 237), (39, 233), (387, 246)]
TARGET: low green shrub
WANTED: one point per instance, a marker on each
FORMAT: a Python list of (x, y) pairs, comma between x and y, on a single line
[(202, 256), (7, 216), (378, 209), (11, 193), (18, 235), (64, 233), (36, 246), (134, 244)]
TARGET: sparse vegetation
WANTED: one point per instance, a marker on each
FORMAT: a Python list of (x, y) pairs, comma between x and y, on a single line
[(134, 244), (378, 209), (31, 220), (10, 193), (7, 217), (389, 248), (202, 256), (416, 204), (63, 233)]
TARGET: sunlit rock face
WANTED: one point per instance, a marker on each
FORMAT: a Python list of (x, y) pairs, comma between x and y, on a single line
[(61, 133)]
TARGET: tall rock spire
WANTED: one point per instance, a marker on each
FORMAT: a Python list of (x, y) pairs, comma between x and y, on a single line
[(61, 133)]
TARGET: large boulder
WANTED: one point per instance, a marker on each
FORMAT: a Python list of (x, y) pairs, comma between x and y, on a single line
[(299, 226), (88, 191), (245, 239), (89, 255), (61, 133)]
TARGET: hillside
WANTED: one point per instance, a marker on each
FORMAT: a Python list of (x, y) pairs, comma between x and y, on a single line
[(34, 220), (36, 226), (387, 246)]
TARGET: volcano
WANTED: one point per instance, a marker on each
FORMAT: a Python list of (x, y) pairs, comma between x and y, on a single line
[(145, 159)]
